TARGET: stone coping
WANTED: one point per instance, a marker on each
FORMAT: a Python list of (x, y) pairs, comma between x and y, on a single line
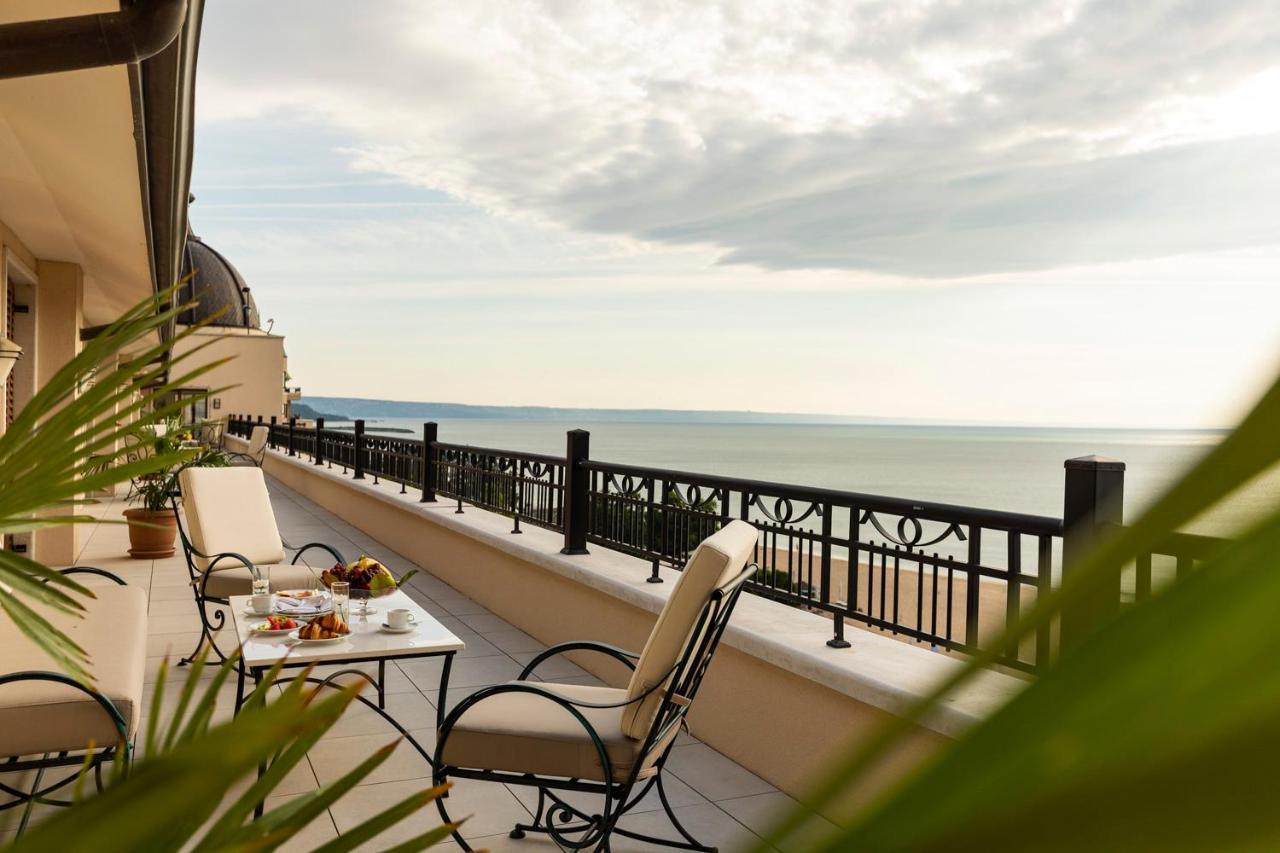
[(885, 673)]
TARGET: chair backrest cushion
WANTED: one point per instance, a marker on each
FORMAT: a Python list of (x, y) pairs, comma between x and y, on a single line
[(258, 440), (718, 559), (228, 509)]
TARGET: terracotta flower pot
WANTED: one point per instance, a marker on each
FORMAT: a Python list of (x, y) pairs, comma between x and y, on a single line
[(151, 534)]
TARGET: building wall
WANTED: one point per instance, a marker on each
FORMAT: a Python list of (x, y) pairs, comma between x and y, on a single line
[(253, 378)]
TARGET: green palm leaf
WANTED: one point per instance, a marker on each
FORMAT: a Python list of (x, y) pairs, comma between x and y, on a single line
[(44, 456)]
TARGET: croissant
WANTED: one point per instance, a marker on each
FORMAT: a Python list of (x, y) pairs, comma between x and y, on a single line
[(324, 627)]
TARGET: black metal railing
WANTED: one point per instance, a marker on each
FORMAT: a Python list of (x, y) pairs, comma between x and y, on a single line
[(1176, 556), (527, 487), (952, 577), (921, 570)]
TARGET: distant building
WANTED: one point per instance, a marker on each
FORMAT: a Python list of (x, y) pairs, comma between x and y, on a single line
[(258, 374)]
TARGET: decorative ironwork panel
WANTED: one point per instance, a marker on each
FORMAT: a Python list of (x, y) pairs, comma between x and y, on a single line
[(526, 487), (950, 577)]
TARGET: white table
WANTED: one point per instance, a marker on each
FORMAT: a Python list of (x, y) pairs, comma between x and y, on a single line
[(367, 643)]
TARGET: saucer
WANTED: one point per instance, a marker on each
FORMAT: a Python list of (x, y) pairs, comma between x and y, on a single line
[(249, 611), (406, 629)]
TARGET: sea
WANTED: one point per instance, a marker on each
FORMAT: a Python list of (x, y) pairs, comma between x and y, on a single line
[(1017, 469)]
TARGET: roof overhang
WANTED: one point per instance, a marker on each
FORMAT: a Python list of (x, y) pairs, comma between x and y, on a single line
[(95, 163)]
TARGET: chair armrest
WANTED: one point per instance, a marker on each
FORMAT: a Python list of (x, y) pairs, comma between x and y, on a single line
[(203, 580), (90, 570), (233, 454), (614, 652), (333, 552), (446, 728), (61, 678)]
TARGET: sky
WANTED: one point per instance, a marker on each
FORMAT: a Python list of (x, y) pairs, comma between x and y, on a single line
[(1058, 213)]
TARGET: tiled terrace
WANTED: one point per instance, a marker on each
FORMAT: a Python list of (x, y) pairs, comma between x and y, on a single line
[(721, 802)]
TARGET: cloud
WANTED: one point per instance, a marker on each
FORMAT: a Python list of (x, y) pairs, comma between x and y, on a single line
[(927, 139)]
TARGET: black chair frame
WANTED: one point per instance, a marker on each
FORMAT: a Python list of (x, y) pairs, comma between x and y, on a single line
[(212, 621), (568, 825), (88, 759), (237, 455)]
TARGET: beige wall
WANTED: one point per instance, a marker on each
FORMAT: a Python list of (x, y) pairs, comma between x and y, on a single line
[(256, 370), (59, 314), (783, 727)]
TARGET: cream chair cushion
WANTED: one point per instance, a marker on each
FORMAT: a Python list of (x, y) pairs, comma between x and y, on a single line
[(718, 559), (41, 716), (239, 581), (524, 733), (228, 509), (258, 441)]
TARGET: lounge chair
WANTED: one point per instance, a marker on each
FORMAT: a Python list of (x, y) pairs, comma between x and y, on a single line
[(48, 719), (228, 536), (257, 449), (609, 741)]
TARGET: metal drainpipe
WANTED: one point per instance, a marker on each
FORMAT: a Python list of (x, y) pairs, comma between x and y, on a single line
[(140, 30)]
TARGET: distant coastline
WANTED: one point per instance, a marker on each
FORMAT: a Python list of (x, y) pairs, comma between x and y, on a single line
[(358, 407)]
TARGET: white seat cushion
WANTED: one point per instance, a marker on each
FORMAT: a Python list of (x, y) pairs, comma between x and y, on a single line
[(42, 716), (238, 581), (525, 733)]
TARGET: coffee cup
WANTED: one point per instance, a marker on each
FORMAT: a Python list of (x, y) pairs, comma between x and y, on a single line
[(400, 617), (262, 603)]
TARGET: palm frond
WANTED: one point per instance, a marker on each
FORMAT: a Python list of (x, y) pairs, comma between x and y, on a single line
[(45, 455)]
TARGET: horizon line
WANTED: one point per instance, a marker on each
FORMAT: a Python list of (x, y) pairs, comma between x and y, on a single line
[(810, 417)]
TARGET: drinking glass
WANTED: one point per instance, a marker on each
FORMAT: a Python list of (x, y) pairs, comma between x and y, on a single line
[(261, 580), (341, 592)]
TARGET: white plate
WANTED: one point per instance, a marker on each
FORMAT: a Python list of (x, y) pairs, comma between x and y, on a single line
[(406, 629), (304, 615), (253, 614), (258, 629), (293, 635), (301, 594)]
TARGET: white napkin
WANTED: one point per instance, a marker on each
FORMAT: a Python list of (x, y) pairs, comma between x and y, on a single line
[(303, 606)]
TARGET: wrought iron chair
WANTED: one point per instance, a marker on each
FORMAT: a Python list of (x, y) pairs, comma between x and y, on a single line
[(210, 434), (257, 449), (602, 740), (60, 722), (229, 537)]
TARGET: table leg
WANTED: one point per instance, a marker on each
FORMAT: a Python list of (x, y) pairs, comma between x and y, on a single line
[(382, 684), (262, 766), (444, 690), (239, 684)]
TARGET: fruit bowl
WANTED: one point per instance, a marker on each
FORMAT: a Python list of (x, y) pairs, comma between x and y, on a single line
[(368, 580)]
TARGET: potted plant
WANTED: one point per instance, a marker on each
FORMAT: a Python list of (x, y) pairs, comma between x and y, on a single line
[(153, 524)]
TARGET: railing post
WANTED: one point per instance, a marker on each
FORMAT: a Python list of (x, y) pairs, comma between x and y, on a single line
[(430, 434), (293, 426), (318, 453), (972, 588), (1093, 498), (358, 463), (577, 480), (271, 433)]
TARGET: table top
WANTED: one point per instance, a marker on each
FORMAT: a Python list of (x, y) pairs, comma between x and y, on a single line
[(366, 640)]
